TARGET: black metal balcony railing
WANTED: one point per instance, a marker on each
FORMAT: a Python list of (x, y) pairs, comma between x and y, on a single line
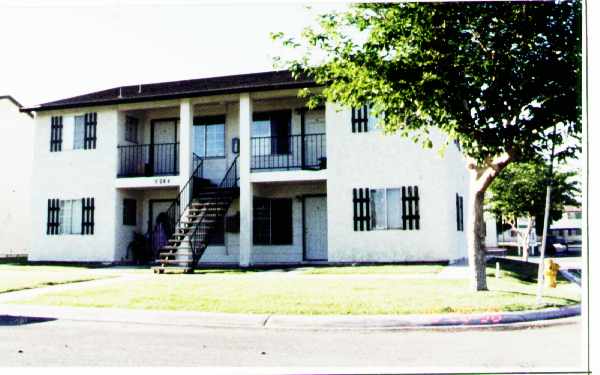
[(289, 152), (148, 160)]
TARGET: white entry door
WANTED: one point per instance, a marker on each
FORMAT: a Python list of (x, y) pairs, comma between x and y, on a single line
[(315, 209), (165, 148)]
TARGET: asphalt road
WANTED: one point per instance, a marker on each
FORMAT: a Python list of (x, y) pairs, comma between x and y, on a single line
[(78, 343)]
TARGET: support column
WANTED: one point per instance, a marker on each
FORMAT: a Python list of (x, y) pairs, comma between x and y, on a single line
[(186, 121), (246, 193)]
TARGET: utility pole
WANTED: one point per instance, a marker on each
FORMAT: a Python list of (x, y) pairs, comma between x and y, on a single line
[(540, 287)]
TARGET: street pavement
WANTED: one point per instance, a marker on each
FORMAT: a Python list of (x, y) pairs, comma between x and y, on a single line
[(89, 343)]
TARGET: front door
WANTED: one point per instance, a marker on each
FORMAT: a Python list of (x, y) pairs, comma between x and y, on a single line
[(164, 145), (315, 210)]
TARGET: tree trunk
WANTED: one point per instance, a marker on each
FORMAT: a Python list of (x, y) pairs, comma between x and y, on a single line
[(480, 179), (475, 242)]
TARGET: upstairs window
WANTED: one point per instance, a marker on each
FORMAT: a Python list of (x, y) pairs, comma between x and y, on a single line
[(79, 133), (209, 136), (131, 129), (271, 132)]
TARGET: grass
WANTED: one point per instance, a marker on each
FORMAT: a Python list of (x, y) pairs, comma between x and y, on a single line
[(250, 292), (14, 277), (373, 270)]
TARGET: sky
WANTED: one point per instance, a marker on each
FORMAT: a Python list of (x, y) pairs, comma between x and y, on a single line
[(54, 49)]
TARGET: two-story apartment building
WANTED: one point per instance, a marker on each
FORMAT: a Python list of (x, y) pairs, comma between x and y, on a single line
[(286, 184)]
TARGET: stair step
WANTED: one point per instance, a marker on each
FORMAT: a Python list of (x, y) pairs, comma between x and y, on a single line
[(178, 253), (176, 261), (173, 269)]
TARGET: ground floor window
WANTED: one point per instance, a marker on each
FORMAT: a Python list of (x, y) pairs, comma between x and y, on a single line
[(129, 211), (386, 209), (273, 221), (69, 218)]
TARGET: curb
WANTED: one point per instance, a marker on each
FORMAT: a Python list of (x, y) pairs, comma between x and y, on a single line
[(506, 320)]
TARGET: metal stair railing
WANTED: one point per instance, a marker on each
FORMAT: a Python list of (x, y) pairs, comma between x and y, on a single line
[(174, 212), (197, 239)]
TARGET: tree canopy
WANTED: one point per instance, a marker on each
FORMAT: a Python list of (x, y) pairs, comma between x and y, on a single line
[(520, 191), (494, 75)]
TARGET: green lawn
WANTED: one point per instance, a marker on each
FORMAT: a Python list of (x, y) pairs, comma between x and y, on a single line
[(252, 292), (372, 270), (15, 277)]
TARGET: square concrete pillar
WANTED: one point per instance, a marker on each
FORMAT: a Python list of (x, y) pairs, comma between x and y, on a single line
[(186, 122), (246, 193)]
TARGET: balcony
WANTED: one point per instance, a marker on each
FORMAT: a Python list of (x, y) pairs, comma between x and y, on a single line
[(148, 160), (293, 152)]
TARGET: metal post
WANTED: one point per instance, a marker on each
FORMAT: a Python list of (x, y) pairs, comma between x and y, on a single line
[(540, 287)]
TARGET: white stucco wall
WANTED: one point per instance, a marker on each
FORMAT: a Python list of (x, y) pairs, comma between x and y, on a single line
[(75, 174), (16, 153), (375, 160)]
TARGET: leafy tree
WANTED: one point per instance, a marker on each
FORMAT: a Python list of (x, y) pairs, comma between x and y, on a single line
[(494, 76), (519, 191)]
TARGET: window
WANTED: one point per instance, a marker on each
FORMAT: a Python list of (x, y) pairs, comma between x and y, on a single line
[(131, 129), (386, 209), (79, 133), (209, 136), (459, 214), (129, 211), (56, 126), (273, 132), (273, 221), (72, 216), (69, 218)]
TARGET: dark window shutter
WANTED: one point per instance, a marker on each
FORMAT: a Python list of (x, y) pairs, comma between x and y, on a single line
[(87, 217), (89, 138), (281, 222), (360, 119), (362, 209), (129, 211), (53, 213), (56, 133), (459, 213), (410, 208)]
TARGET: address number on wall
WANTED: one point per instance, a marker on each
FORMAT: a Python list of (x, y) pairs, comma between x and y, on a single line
[(162, 181)]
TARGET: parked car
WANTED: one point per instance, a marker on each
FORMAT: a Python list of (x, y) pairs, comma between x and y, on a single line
[(556, 245)]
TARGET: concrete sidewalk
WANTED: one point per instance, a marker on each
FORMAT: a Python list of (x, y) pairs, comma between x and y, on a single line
[(272, 321)]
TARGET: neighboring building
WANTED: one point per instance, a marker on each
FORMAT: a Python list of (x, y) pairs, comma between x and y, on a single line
[(16, 152), (288, 184), (568, 227)]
